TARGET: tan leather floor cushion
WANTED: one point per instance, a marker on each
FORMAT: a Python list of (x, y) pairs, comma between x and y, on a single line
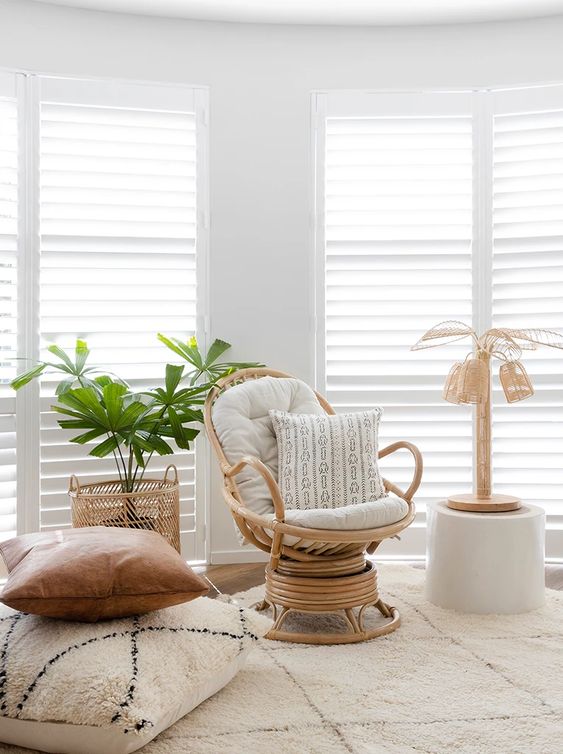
[(95, 573)]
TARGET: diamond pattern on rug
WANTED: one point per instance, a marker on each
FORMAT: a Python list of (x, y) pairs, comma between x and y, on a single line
[(541, 658), (303, 740), (437, 676), (254, 699), (520, 735)]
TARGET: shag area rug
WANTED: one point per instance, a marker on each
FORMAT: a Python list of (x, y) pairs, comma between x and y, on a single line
[(443, 683)]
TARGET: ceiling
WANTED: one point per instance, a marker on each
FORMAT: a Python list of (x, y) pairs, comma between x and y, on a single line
[(363, 12)]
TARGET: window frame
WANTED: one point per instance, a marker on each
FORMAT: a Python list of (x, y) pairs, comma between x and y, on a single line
[(27, 401), (486, 103)]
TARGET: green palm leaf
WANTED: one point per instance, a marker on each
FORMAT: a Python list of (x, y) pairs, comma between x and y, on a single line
[(113, 394), (216, 349), (23, 379), (105, 448), (172, 379), (92, 434), (81, 353), (59, 353)]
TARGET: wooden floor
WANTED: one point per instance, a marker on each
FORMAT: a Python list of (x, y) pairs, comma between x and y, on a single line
[(228, 579)]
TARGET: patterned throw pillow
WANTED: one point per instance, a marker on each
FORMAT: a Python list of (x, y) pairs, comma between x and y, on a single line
[(328, 461)]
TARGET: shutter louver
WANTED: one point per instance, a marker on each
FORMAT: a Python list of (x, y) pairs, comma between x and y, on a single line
[(8, 301), (528, 292), (118, 265), (398, 259)]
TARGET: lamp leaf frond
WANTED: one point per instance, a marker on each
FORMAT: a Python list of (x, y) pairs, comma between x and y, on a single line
[(500, 343), (444, 332), (533, 337)]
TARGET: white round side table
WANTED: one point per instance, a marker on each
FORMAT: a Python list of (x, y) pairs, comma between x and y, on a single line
[(485, 562)]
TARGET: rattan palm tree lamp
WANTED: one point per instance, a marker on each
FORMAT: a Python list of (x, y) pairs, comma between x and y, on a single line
[(470, 382)]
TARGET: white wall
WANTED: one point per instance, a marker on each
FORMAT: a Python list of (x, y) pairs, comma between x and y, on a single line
[(260, 80)]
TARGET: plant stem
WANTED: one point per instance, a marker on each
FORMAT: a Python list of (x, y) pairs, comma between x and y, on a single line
[(117, 465), (146, 464), (122, 461), (152, 432), (135, 475), (130, 479)]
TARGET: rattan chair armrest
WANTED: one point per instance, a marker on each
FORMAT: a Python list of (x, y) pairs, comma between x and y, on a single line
[(418, 465), (266, 474)]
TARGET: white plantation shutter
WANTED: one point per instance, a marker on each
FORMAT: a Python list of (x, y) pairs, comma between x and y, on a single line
[(422, 199), (8, 299), (118, 184), (398, 259), (528, 288)]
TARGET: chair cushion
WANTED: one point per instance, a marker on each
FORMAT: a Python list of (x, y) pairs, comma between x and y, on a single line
[(328, 461), (383, 512), (244, 427)]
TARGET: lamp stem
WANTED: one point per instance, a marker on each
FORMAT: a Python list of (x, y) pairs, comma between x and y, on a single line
[(483, 436)]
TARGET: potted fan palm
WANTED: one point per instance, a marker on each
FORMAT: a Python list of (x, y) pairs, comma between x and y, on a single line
[(132, 426)]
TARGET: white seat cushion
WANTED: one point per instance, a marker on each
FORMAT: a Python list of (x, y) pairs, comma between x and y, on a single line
[(383, 512), (244, 427)]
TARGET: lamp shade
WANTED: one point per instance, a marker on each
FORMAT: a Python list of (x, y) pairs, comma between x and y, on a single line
[(473, 381), (515, 381), (449, 393)]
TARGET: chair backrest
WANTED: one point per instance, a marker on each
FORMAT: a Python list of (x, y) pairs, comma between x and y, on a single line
[(238, 424)]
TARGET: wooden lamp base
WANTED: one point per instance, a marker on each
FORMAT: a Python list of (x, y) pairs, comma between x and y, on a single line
[(492, 504)]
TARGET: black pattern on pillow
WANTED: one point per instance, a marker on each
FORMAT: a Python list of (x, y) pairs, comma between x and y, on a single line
[(328, 461), (123, 674)]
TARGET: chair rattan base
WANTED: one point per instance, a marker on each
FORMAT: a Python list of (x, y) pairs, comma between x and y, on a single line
[(347, 595)]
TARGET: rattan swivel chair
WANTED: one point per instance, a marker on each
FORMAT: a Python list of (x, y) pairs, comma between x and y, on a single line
[(311, 570)]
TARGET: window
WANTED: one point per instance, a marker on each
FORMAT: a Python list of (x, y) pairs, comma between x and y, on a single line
[(113, 201), (8, 298), (435, 206), (527, 287)]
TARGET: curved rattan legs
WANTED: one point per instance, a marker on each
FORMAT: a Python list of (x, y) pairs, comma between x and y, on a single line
[(356, 634), (347, 596)]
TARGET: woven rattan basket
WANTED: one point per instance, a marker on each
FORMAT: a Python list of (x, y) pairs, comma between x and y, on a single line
[(154, 505)]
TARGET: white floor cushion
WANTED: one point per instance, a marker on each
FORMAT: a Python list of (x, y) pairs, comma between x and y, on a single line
[(382, 512), (110, 687)]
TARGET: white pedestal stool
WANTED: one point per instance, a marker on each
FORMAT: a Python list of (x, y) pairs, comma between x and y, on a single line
[(485, 562)]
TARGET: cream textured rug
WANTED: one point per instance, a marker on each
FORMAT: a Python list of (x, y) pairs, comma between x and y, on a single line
[(443, 683)]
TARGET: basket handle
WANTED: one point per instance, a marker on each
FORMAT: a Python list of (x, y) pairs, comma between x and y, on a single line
[(174, 470), (74, 484)]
